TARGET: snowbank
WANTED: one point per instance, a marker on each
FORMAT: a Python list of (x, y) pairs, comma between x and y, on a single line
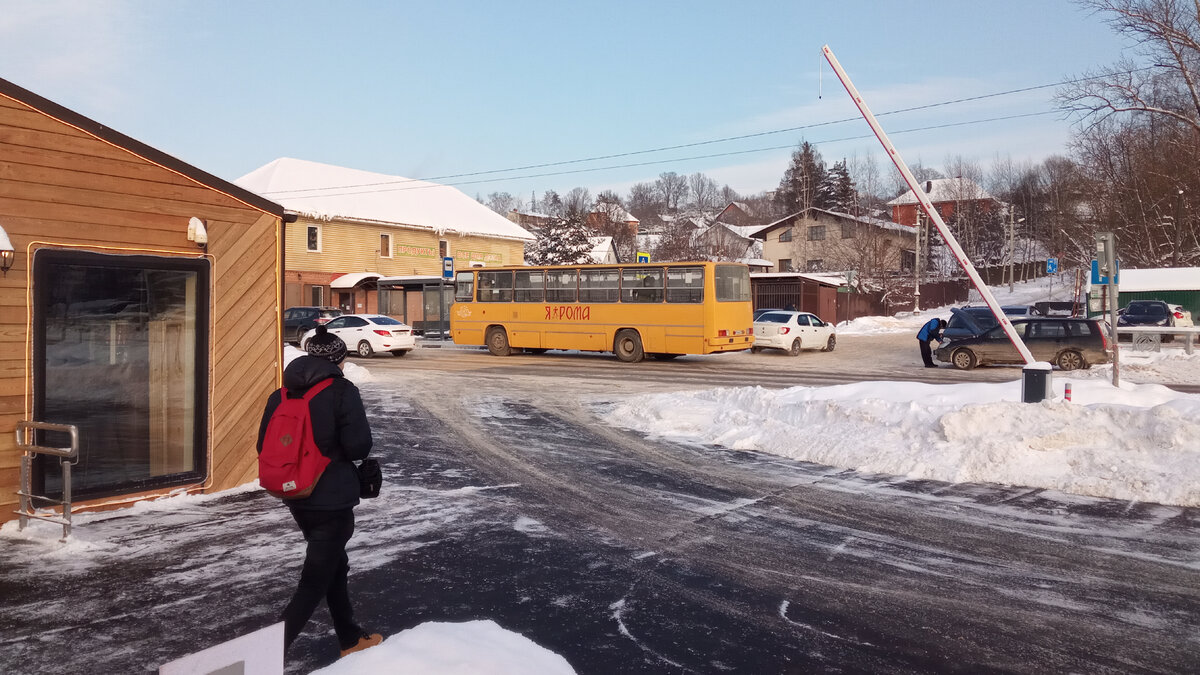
[(1138, 442), (471, 648)]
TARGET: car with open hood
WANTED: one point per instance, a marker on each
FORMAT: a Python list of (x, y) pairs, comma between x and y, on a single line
[(1069, 343)]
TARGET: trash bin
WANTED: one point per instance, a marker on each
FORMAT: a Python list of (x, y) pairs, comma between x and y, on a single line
[(1035, 382)]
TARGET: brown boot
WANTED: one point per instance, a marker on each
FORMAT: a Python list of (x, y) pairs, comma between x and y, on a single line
[(364, 642)]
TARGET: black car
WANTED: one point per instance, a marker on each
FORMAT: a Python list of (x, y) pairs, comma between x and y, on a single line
[(299, 320), (1146, 313)]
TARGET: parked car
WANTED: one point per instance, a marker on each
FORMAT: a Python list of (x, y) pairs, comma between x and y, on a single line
[(1146, 313), (792, 332), (760, 312), (1068, 343), (1183, 318), (978, 319), (299, 320), (365, 334)]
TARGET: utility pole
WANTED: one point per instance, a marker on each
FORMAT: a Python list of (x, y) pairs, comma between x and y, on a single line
[(917, 267), (1178, 228), (1011, 245)]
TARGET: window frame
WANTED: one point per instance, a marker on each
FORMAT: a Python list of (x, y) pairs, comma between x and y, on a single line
[(309, 229), (816, 233), (785, 236), (385, 236)]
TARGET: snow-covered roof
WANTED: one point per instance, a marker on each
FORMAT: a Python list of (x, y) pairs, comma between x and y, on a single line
[(1160, 279), (327, 192), (758, 262), (353, 279), (827, 279), (866, 220), (602, 249), (944, 190), (615, 213)]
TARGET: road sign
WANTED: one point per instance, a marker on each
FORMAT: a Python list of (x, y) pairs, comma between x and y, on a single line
[(1051, 265), (448, 268), (643, 257), (1098, 278)]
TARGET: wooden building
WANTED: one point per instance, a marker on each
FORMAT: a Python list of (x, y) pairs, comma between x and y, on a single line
[(142, 306)]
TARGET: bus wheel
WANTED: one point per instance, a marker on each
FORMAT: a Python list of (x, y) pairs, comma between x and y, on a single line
[(628, 346), (497, 342)]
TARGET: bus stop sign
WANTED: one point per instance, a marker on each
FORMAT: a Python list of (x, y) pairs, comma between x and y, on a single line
[(643, 257), (447, 268), (1051, 265)]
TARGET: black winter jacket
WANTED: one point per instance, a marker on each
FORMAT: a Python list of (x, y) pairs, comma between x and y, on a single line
[(340, 428)]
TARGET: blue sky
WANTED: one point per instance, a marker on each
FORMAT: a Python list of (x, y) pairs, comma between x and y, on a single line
[(431, 89)]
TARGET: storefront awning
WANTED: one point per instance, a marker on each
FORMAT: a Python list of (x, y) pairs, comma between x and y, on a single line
[(353, 279)]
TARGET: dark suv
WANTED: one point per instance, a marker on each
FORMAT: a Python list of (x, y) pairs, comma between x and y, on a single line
[(299, 320), (1066, 342)]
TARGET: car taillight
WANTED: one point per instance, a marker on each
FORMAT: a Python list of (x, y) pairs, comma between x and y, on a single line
[(1178, 315), (384, 333), (784, 330), (1103, 338), (321, 320)]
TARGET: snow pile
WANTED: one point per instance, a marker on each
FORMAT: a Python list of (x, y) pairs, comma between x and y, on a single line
[(1138, 442), (470, 648)]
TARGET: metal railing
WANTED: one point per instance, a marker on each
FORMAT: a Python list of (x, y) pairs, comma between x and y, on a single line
[(26, 441), (1149, 338)]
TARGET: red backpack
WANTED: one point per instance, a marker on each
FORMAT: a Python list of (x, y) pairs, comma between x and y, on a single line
[(290, 462)]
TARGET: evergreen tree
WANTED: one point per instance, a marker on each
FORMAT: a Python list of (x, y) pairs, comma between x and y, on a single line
[(564, 242), (798, 188), (836, 192)]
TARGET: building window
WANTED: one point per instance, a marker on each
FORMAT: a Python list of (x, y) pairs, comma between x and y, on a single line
[(385, 245), (786, 235), (816, 233), (815, 265), (443, 248), (847, 230), (785, 265), (314, 238), (908, 261)]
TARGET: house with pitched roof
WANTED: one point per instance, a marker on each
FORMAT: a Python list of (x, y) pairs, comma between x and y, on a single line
[(819, 240), (354, 227), (948, 195)]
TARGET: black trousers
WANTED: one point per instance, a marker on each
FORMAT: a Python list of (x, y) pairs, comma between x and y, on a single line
[(926, 353), (326, 566)]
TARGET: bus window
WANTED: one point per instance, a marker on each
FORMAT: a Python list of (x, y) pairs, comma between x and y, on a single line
[(733, 283), (561, 285), (464, 287), (530, 286), (496, 286), (599, 285), (685, 284), (642, 285)]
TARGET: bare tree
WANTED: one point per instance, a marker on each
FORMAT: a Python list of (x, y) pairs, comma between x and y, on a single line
[(672, 189), (703, 191), (577, 203)]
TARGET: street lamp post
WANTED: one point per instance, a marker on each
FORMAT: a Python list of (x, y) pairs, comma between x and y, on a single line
[(917, 267)]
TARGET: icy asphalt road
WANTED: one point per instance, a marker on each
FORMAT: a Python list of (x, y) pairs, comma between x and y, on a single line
[(505, 499)]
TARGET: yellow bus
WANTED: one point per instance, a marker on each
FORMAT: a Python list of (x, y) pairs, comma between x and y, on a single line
[(656, 309)]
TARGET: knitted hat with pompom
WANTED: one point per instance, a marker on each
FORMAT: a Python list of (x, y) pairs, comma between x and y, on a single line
[(326, 345)]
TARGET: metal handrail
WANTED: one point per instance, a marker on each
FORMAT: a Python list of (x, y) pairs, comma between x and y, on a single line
[(26, 441)]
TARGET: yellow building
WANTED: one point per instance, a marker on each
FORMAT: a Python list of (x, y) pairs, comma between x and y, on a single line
[(354, 227)]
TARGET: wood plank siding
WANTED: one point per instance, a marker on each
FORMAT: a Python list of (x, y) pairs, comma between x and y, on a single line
[(66, 182), (354, 247)]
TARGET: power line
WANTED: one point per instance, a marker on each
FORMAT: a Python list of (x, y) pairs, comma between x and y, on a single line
[(662, 161), (726, 139)]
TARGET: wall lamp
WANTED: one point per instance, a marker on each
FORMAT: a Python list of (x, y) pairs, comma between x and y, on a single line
[(197, 232), (7, 254)]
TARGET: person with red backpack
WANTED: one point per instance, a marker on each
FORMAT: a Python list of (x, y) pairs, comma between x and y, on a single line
[(312, 431)]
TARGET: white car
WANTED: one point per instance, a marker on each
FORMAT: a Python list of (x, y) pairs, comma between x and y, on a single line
[(365, 334), (1183, 318), (792, 332)]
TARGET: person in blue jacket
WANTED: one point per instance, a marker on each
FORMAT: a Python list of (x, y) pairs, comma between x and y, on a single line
[(932, 330)]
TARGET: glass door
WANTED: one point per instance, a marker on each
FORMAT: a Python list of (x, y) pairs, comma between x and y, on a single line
[(121, 351)]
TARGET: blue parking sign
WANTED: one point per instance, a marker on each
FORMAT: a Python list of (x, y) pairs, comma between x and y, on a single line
[(1051, 265)]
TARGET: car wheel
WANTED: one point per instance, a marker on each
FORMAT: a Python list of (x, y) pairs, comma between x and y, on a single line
[(364, 349), (628, 346), (755, 350), (796, 348), (1070, 360), (831, 344), (300, 335), (963, 359), (664, 357), (497, 342), (399, 352)]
